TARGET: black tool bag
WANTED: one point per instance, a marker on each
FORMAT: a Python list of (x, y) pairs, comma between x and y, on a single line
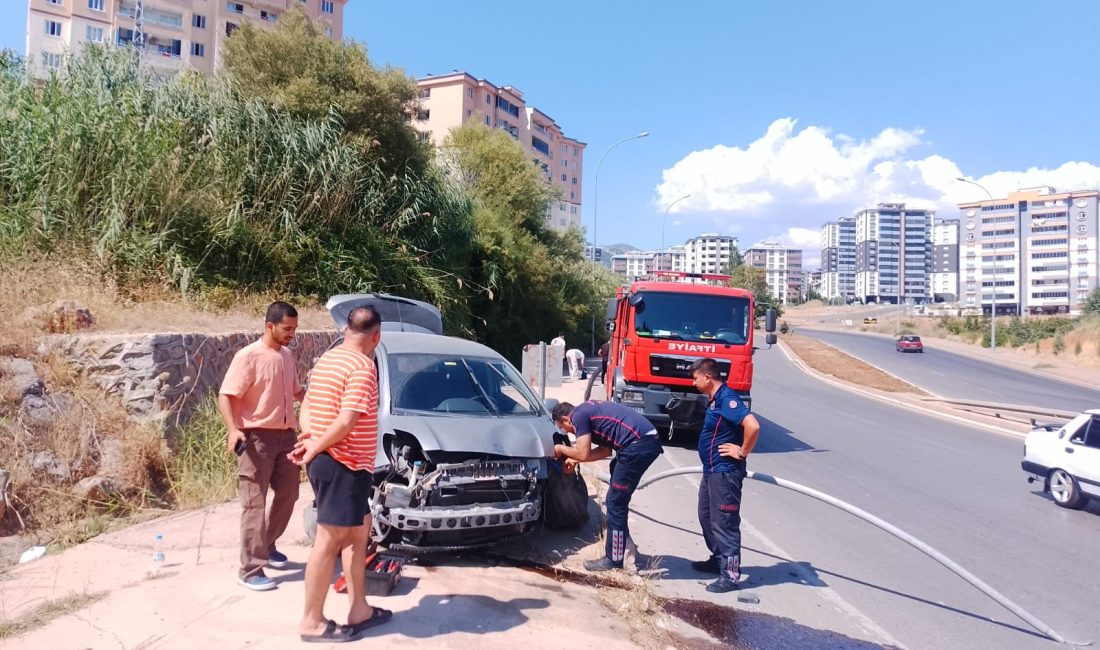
[(566, 498)]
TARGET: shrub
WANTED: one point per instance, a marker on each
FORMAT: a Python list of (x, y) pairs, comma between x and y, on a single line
[(1059, 344), (202, 471)]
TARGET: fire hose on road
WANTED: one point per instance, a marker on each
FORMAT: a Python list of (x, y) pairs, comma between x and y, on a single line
[(953, 566)]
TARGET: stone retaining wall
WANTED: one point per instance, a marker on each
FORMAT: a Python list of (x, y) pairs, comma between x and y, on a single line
[(165, 376)]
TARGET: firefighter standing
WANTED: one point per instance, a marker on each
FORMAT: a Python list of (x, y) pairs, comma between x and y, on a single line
[(729, 434), (611, 426)]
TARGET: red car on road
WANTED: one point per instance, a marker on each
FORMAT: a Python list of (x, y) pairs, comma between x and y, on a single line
[(909, 343)]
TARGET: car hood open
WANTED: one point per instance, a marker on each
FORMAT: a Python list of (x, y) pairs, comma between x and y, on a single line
[(398, 314), (510, 436)]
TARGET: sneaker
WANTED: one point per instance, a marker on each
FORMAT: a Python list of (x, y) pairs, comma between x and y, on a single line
[(257, 583), (722, 585), (276, 560), (710, 565), (602, 564)]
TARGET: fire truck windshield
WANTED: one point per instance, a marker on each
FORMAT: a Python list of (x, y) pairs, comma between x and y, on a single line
[(693, 317)]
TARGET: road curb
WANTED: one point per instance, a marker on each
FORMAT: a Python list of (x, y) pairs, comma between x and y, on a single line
[(832, 381), (885, 372)]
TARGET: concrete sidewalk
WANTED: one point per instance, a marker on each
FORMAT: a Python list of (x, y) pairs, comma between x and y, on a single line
[(195, 601)]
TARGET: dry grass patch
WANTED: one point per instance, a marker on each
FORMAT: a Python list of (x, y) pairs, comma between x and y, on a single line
[(47, 612), (831, 361)]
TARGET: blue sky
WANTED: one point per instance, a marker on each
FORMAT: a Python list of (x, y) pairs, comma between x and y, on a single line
[(774, 116)]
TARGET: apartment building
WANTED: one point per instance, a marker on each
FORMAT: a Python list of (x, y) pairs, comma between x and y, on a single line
[(945, 260), (838, 259), (449, 101), (709, 253), (1034, 251), (673, 258), (783, 266), (634, 265), (175, 34), (894, 254)]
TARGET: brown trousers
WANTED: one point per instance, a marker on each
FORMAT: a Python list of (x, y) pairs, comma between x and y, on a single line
[(262, 465)]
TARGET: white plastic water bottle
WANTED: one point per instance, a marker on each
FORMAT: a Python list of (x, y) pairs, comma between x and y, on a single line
[(158, 554)]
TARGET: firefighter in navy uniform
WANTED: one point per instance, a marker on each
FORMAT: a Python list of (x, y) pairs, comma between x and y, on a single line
[(633, 438), (729, 434)]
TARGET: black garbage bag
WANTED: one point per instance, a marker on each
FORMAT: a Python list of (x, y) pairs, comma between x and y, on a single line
[(566, 499)]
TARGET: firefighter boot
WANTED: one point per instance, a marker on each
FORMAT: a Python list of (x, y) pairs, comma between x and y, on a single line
[(727, 580)]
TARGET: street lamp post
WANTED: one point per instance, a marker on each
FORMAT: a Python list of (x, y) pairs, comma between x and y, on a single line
[(596, 188), (664, 223), (993, 300)]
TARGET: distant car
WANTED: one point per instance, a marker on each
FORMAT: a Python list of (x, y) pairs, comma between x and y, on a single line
[(1066, 459), (909, 343)]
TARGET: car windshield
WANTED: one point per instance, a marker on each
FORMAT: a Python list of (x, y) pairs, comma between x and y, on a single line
[(693, 317), (439, 383), (911, 339)]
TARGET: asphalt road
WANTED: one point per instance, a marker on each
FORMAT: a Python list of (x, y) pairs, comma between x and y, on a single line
[(956, 376), (957, 488)]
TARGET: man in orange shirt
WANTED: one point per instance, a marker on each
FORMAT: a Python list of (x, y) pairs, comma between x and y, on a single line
[(256, 402), (339, 446)]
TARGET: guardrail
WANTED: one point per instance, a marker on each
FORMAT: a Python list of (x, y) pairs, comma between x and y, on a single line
[(1010, 412)]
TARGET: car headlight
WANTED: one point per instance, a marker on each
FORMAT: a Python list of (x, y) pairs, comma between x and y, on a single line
[(633, 396)]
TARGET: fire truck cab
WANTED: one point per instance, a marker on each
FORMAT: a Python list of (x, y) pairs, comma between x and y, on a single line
[(659, 328)]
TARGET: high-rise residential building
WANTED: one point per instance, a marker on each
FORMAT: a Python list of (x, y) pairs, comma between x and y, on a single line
[(177, 34), (709, 253), (1033, 251), (945, 260), (894, 254), (783, 266), (449, 101), (813, 281), (673, 258), (838, 259), (634, 265)]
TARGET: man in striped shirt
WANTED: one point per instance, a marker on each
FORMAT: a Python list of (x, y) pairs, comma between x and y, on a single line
[(338, 444)]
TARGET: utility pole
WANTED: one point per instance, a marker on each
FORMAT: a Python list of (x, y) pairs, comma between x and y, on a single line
[(139, 21)]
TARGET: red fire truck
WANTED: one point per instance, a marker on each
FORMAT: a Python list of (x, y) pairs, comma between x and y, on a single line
[(660, 327)]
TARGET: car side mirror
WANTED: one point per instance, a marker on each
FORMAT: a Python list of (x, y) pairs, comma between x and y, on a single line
[(769, 320), (771, 339)]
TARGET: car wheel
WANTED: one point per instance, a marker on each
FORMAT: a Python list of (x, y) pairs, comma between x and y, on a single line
[(1063, 488)]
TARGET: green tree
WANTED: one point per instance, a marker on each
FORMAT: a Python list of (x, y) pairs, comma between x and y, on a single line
[(297, 66), (1092, 304), (755, 280), (735, 257)]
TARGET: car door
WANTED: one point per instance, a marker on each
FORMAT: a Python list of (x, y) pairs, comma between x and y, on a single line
[(1086, 453)]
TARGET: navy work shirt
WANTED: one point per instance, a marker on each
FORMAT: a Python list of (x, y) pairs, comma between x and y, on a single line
[(723, 424), (610, 423)]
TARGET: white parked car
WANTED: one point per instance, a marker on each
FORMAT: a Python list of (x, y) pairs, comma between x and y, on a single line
[(1066, 459)]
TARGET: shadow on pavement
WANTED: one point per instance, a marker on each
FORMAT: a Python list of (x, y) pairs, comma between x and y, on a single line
[(788, 571), (439, 614), (774, 439)]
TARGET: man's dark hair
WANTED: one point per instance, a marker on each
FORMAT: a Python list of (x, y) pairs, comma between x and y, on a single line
[(708, 367), (562, 410), (364, 319), (279, 310)]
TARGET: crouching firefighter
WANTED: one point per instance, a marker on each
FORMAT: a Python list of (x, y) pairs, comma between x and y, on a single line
[(612, 427), (728, 436)]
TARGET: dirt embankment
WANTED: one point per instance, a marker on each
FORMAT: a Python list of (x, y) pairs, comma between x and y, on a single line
[(831, 361)]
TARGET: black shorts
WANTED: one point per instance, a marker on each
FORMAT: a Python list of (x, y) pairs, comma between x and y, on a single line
[(341, 495)]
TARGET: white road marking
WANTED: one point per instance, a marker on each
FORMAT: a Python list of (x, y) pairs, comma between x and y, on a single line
[(869, 625)]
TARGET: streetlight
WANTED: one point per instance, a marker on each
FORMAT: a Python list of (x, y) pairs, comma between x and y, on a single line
[(993, 303), (665, 222), (596, 216), (596, 188)]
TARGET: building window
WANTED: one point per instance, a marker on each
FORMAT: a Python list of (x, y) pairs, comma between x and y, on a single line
[(423, 115), (424, 93), (469, 113), (328, 32), (328, 6), (95, 5), (574, 180), (230, 28), (198, 49), (269, 16), (564, 178), (198, 22), (540, 145), (486, 120), (235, 7), (51, 60), (93, 34), (470, 93), (53, 28), (55, 2)]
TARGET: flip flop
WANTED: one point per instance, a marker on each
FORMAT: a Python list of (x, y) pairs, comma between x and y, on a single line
[(378, 617), (334, 633)]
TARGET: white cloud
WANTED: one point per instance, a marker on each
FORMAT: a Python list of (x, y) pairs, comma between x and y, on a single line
[(788, 182)]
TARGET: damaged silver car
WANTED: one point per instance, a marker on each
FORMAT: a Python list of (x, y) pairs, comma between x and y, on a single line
[(462, 462)]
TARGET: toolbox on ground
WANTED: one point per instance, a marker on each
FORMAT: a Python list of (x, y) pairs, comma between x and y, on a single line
[(384, 573)]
